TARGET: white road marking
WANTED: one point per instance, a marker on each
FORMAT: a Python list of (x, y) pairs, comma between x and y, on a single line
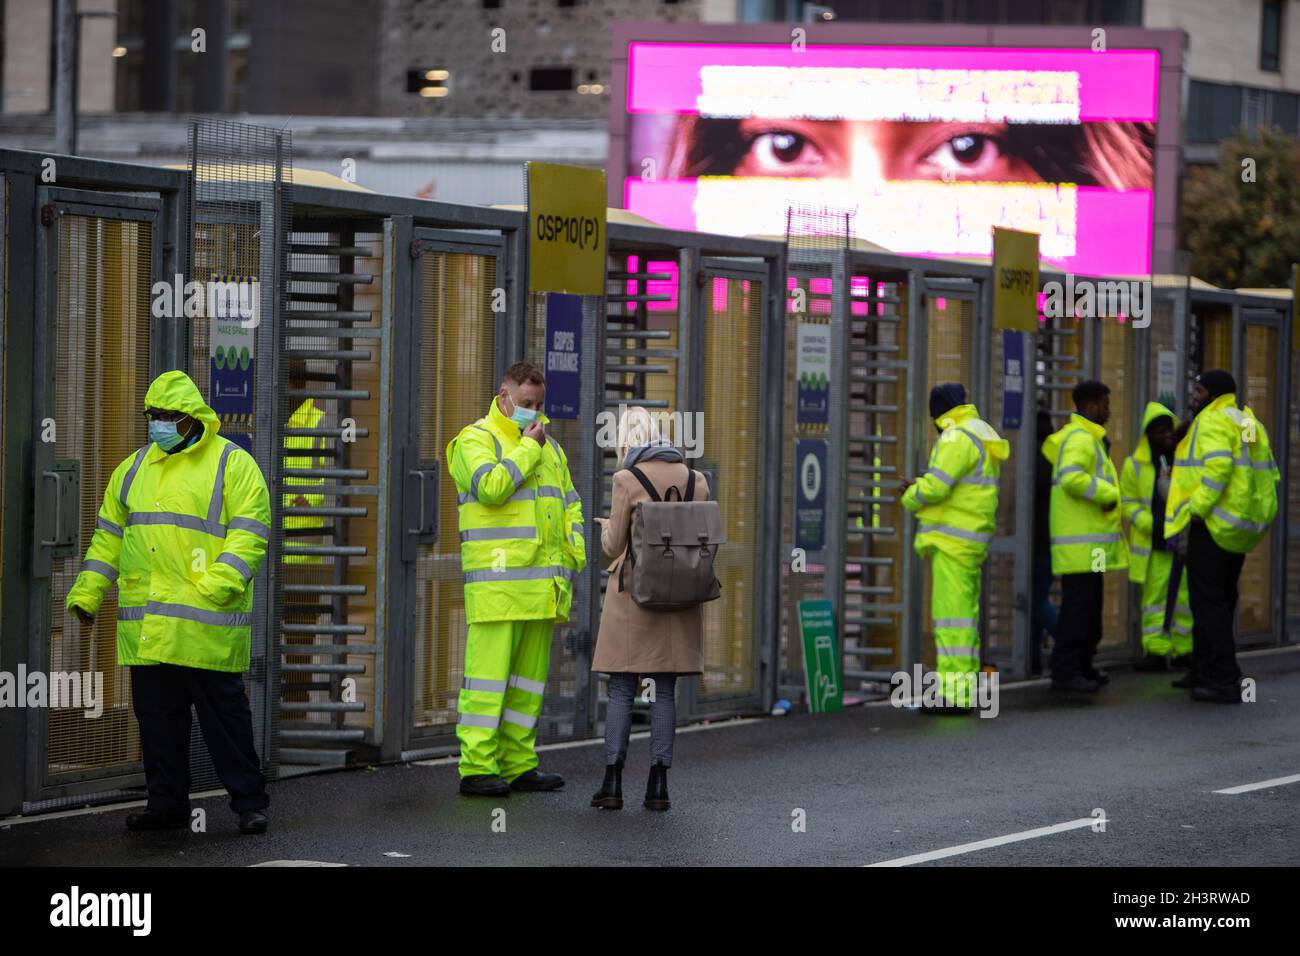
[(991, 842), (1263, 784), (296, 863)]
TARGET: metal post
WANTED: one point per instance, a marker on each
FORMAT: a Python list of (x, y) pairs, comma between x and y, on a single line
[(65, 78)]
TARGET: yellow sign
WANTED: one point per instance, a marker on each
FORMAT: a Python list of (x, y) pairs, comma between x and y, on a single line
[(1015, 280), (566, 229)]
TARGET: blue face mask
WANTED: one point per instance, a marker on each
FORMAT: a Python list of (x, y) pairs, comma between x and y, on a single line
[(164, 435), (523, 417)]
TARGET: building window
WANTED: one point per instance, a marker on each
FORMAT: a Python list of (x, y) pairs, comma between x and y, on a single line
[(429, 83), (1270, 36), (550, 79), (491, 4)]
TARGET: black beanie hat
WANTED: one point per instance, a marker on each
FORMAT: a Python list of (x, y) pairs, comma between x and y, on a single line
[(1217, 382), (945, 397)]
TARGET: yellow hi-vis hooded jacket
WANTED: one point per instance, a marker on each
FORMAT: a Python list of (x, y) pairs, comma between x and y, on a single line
[(1083, 480), (182, 534), (1224, 473), (1137, 484), (306, 415), (521, 542), (956, 500)]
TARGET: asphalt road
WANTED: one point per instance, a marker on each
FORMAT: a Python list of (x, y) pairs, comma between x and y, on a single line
[(874, 784)]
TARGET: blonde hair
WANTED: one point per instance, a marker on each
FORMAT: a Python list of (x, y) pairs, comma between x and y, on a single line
[(636, 426)]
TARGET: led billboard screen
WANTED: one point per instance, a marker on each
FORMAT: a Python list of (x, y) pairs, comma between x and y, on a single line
[(929, 147)]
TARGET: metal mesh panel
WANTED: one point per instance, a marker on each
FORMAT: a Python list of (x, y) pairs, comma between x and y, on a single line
[(458, 341), (732, 404), (1118, 369), (874, 562), (238, 224), (1259, 391), (102, 372), (999, 585), (1160, 335)]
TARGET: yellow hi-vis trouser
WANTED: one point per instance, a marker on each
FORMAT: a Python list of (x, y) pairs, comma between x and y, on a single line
[(954, 612), (1155, 592), (501, 696)]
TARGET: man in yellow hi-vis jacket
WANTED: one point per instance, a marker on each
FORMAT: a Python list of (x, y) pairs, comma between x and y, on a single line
[(182, 531), (1086, 537), (1144, 488), (1223, 493), (956, 505), (521, 547)]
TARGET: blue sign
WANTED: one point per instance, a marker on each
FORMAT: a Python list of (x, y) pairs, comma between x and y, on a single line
[(810, 494), (1013, 378), (563, 368)]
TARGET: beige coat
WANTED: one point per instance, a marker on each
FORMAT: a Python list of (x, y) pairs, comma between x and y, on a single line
[(632, 639)]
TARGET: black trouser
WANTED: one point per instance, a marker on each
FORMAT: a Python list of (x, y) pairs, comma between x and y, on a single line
[(1212, 575), (1078, 631), (161, 695)]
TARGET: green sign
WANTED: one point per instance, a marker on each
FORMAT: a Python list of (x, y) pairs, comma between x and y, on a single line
[(821, 661)]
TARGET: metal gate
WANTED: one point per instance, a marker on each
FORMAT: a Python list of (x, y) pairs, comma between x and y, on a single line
[(96, 352)]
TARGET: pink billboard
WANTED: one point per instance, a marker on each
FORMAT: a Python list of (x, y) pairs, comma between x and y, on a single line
[(921, 149)]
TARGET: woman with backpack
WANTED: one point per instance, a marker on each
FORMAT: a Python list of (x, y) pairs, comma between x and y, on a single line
[(636, 644)]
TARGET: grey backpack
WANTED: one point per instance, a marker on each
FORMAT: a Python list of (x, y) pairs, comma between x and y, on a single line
[(669, 563)]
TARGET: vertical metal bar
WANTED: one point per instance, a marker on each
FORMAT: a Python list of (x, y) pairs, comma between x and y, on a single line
[(913, 422), (65, 77), (773, 361), (837, 444)]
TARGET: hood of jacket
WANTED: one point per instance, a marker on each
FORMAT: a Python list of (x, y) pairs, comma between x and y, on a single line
[(175, 391), (1052, 444), (967, 416), (1153, 411)]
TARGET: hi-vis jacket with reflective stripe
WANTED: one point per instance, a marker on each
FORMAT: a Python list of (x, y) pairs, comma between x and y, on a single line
[(956, 500), (1083, 479), (1137, 483), (521, 541), (1225, 474), (306, 415), (182, 535)]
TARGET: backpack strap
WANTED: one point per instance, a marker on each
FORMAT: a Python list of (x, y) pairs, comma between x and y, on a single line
[(690, 483), (646, 483)]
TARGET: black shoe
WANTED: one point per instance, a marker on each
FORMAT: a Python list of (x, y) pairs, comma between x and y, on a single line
[(252, 821), (484, 785), (1099, 677), (1077, 684), (157, 820), (656, 788), (1152, 662), (1217, 693), (610, 794), (1186, 682), (948, 710), (1182, 662), (534, 780)]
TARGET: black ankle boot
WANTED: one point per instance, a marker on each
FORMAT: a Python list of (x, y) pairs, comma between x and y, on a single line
[(610, 794), (656, 788)]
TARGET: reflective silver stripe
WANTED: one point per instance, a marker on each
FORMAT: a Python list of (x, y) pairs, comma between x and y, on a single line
[(518, 719), (188, 613), (1147, 632), (942, 475), (100, 567), (979, 446), (571, 498), (1237, 522), (463, 498), (958, 532), (496, 444), (955, 622), (1179, 509), (218, 486), (522, 494), (554, 445), (479, 472), (487, 686), (549, 491), (1133, 501), (248, 524), (1091, 491), (1211, 483), (130, 474), (479, 720), (576, 529), (135, 613), (523, 683), (499, 534), (957, 651), (236, 562), (1154, 609), (1070, 469), (1137, 468), (1182, 609), (1188, 462), (1085, 538), (190, 522), (1218, 453), (567, 573), (516, 475), (514, 574), (1139, 550), (103, 524), (980, 480)]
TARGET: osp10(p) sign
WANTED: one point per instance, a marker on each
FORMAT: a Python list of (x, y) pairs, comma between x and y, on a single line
[(566, 229)]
